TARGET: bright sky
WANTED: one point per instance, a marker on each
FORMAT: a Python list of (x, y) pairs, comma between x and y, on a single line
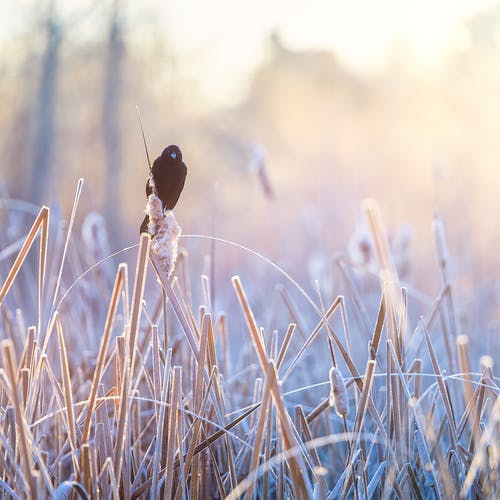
[(225, 38), (221, 41)]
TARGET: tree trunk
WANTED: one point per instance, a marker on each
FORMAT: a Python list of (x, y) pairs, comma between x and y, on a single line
[(111, 126), (44, 136)]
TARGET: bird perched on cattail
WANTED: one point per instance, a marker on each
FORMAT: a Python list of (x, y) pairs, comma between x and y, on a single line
[(166, 180)]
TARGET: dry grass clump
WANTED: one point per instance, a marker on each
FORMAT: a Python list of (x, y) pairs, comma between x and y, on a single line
[(150, 402)]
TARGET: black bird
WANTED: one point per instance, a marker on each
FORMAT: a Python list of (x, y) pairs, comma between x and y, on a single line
[(169, 174)]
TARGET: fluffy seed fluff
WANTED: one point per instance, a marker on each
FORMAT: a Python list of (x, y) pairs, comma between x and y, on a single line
[(338, 393), (164, 232)]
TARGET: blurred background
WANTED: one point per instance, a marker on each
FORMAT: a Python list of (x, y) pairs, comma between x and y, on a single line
[(288, 114)]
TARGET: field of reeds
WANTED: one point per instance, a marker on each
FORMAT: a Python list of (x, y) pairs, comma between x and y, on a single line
[(117, 382)]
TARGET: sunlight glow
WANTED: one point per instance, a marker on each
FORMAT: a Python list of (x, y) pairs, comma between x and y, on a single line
[(220, 42)]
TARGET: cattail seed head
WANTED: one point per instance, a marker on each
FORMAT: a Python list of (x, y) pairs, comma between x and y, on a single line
[(164, 232), (258, 165), (338, 393), (486, 361), (95, 236), (440, 241)]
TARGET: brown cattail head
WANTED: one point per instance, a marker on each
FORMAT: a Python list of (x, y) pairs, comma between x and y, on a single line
[(164, 232), (338, 393)]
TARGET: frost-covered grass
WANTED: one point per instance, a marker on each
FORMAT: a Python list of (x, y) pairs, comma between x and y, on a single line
[(124, 386)]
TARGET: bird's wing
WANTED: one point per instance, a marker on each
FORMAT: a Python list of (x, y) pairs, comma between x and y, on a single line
[(149, 188)]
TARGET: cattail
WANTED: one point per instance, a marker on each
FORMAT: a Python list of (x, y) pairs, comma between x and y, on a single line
[(486, 361), (440, 240), (464, 363), (258, 165), (360, 248), (338, 393), (164, 232), (95, 236)]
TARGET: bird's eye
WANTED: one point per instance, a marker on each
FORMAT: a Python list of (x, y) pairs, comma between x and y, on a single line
[(173, 155)]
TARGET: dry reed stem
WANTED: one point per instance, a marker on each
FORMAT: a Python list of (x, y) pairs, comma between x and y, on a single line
[(42, 265), (188, 332), (345, 324), (196, 430), (415, 370), (312, 336), (350, 365), (155, 356), (211, 350), (28, 353), (172, 429), (68, 394), (477, 417), (259, 433), (290, 441), (44, 403), (320, 478), (394, 406), (376, 479), (120, 280), (318, 410), (198, 396), (402, 327), (284, 345), (138, 293), (443, 260), (220, 410), (41, 221), (487, 445), (123, 418), (464, 366), (160, 423), (66, 243), (301, 485), (363, 402), (354, 295), (388, 275), (218, 477), (187, 311), (379, 325), (25, 447), (267, 449), (446, 336), (442, 388), (251, 323), (420, 433), (292, 310), (129, 357), (86, 469)]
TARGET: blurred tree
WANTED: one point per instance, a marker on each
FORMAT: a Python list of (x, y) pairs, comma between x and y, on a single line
[(45, 105), (111, 120)]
